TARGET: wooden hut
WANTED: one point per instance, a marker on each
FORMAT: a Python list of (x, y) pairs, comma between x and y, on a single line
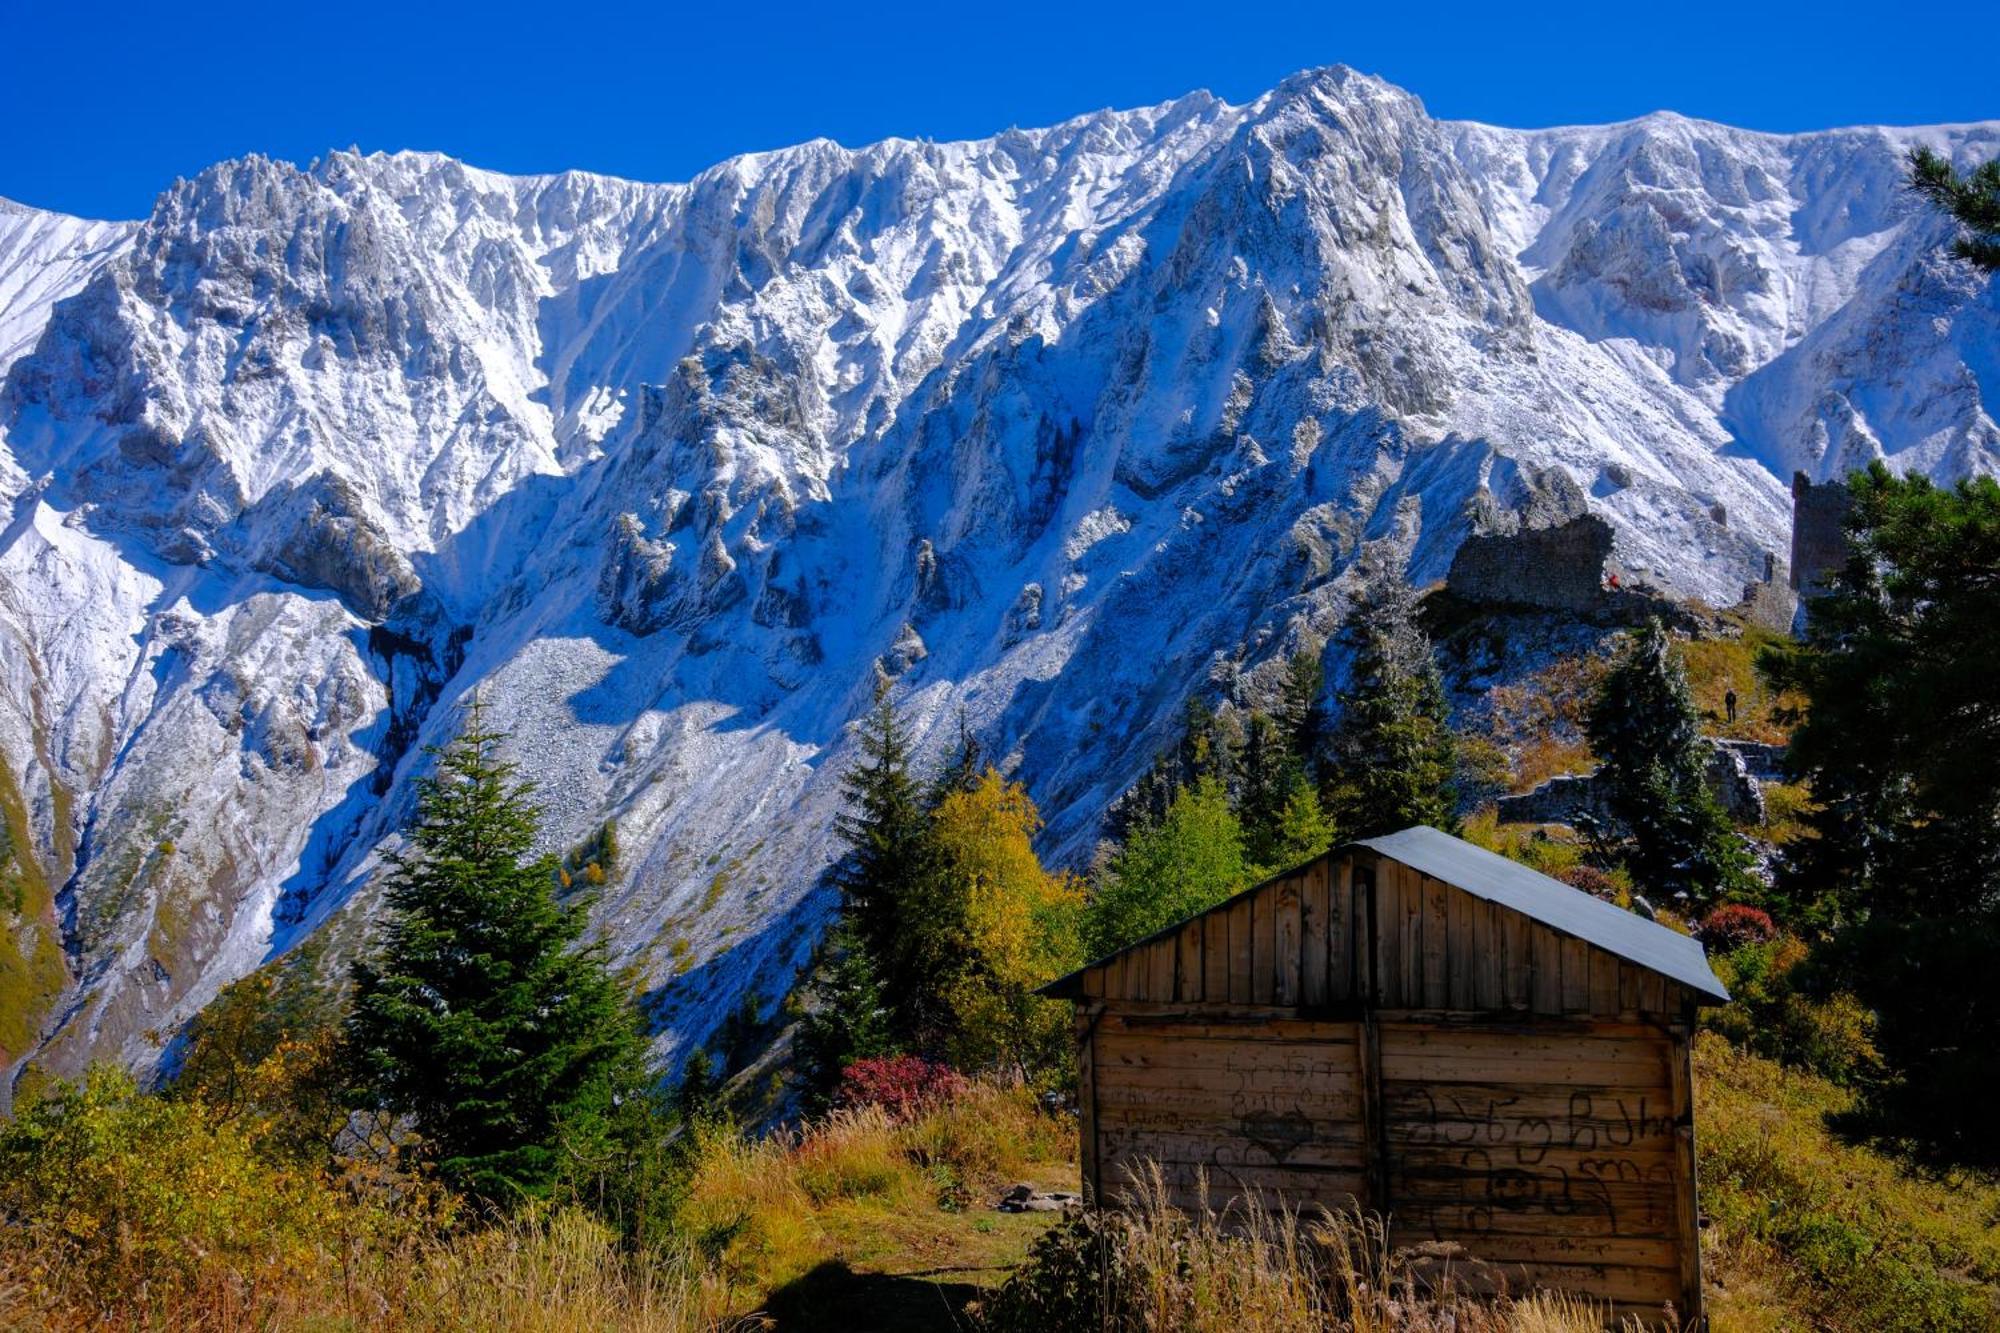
[(1484, 1054)]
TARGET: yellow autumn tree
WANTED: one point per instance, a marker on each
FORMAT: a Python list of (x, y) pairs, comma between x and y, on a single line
[(1019, 927)]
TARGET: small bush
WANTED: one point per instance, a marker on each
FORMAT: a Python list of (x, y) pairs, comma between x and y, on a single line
[(1732, 925), (1597, 883), (904, 1086)]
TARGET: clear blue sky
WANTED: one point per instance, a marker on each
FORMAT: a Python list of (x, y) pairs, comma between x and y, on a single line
[(103, 104)]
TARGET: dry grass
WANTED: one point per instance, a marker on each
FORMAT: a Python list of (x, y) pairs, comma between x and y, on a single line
[(562, 1272), (1253, 1269)]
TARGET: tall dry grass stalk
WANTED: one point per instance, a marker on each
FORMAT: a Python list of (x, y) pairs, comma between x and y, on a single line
[(1153, 1267), (562, 1272)]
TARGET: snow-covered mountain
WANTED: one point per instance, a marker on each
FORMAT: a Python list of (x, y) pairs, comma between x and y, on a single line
[(1053, 428)]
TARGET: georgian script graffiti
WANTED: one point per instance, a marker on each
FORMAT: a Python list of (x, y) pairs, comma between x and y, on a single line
[(1607, 1155)]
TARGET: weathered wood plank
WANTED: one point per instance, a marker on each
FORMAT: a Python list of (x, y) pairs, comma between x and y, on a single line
[(1215, 956), (1240, 991), (1438, 961), (1503, 1247), (1287, 956), (1388, 942), (1639, 1052), (1269, 1144), (1687, 1206), (1400, 1066), (1199, 1024), (1576, 976), (1341, 931), (1086, 1100), (1545, 951), (1464, 960), (1188, 973), (1264, 944), (1606, 1119), (1628, 987), (1488, 951), (1652, 992), (1166, 964), (1604, 1282), (1412, 895), (1328, 1120), (1518, 966), (1604, 983), (1314, 935), (1295, 1183)]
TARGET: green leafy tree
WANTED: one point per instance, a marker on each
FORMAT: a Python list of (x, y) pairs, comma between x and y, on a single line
[(1899, 741), (1304, 831), (1666, 823), (484, 1015), (1395, 754), (1972, 199), (1188, 862), (1017, 927)]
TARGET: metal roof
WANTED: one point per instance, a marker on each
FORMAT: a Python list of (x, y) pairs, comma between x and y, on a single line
[(1487, 875)]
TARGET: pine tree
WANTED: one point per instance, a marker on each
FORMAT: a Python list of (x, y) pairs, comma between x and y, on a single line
[(1644, 728), (1300, 714), (1395, 753), (849, 1020), (1972, 199), (888, 874), (968, 764), (483, 1015), (1266, 768)]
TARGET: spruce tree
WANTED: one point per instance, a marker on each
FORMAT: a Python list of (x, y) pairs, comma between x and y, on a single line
[(1972, 199), (849, 1019), (483, 1015), (1300, 714), (1395, 754), (1643, 726), (1266, 769), (889, 877)]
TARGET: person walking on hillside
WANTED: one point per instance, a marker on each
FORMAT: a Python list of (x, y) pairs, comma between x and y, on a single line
[(1729, 705)]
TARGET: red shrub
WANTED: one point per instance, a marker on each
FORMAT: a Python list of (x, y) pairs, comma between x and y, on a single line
[(1732, 925), (903, 1085)]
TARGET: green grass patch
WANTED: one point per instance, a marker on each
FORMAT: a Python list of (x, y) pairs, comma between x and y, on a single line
[(1810, 1230)]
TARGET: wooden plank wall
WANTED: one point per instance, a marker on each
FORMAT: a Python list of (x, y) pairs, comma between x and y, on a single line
[(1478, 1076), (1553, 1156), (1241, 1105)]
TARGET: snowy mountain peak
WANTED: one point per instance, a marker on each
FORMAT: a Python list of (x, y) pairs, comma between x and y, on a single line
[(1052, 429)]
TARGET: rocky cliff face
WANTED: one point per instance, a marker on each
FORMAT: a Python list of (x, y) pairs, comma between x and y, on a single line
[(1052, 428)]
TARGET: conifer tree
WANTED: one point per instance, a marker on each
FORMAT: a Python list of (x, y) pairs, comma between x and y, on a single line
[(1300, 714), (1972, 199), (1644, 728), (1266, 769), (850, 1018), (483, 1015), (887, 875), (1395, 753)]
